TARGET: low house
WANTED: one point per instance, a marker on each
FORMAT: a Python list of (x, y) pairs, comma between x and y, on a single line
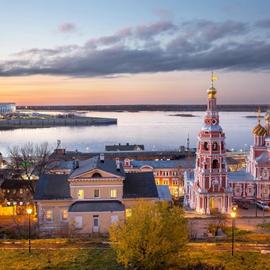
[(94, 195)]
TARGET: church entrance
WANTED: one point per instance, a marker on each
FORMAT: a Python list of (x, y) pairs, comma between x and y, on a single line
[(215, 205)]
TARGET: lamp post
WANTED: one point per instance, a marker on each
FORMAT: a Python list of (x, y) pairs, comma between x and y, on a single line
[(29, 212), (233, 216)]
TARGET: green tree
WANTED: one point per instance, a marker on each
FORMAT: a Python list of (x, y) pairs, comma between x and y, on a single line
[(152, 238)]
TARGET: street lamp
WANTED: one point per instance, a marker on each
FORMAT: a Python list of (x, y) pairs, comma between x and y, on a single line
[(29, 212), (233, 216)]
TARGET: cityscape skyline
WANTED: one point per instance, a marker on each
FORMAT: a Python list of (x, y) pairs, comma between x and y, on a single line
[(156, 53)]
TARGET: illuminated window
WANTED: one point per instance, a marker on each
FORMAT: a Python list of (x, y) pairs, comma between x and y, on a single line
[(96, 193), (128, 212), (49, 215), (165, 182), (113, 193), (21, 191), (81, 194), (64, 214)]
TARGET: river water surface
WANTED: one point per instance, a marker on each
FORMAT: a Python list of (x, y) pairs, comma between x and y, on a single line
[(156, 130)]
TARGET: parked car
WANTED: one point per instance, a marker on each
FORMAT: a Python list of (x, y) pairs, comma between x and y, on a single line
[(262, 205)]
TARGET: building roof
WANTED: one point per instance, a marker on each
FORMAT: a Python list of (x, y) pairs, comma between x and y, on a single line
[(140, 185), (164, 193), (97, 206), (240, 175), (107, 165), (165, 164), (263, 158), (52, 187), (124, 147), (16, 184), (61, 165)]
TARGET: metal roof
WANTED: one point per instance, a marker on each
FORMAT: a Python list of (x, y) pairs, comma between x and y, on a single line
[(165, 164), (107, 165), (164, 193), (52, 187), (140, 185), (97, 206), (240, 175)]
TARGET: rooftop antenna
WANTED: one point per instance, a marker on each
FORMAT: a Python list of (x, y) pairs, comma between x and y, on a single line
[(259, 115)]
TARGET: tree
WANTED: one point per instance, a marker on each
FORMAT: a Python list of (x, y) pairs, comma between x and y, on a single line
[(152, 238), (29, 160)]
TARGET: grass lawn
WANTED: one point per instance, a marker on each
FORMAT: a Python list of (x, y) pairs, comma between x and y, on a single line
[(104, 259)]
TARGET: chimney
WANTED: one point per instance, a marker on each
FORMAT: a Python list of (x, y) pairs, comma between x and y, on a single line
[(117, 161), (76, 163), (102, 157)]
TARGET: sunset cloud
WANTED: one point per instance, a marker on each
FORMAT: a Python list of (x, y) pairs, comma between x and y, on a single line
[(160, 46)]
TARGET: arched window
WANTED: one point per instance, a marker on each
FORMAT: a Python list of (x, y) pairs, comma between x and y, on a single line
[(96, 175), (215, 146), (215, 164), (205, 146)]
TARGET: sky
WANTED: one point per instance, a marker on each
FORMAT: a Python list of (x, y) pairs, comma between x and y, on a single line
[(134, 52)]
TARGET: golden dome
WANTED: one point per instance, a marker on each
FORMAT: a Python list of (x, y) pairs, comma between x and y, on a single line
[(211, 92), (259, 130)]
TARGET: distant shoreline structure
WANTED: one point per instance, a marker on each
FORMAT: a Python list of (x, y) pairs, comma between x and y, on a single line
[(137, 108)]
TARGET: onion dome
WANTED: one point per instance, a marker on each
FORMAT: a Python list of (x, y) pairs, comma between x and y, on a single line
[(259, 130), (211, 92)]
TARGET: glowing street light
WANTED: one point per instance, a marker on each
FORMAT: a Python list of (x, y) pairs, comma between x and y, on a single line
[(233, 216), (29, 212)]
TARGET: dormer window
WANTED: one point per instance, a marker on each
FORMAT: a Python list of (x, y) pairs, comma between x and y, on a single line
[(96, 175)]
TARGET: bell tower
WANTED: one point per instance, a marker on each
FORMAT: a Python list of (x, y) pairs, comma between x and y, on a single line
[(211, 189)]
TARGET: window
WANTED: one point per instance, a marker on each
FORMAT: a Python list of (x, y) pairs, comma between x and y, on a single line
[(96, 193), (49, 215), (113, 193), (21, 191), (78, 222), (81, 194), (205, 146), (97, 175), (64, 214), (175, 182), (165, 182), (95, 223), (215, 164), (128, 212), (114, 219), (215, 146)]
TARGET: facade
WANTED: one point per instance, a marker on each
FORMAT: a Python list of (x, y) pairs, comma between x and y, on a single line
[(206, 188), (94, 195), (254, 182), (167, 172), (7, 108), (15, 197)]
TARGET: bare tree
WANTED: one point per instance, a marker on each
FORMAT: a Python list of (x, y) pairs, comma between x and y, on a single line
[(29, 161)]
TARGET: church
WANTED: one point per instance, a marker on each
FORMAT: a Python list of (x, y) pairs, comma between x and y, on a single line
[(210, 187)]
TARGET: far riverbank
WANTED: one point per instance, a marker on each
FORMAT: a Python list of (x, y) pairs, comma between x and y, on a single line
[(137, 108)]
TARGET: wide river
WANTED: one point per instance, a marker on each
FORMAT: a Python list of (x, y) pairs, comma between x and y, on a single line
[(156, 130)]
